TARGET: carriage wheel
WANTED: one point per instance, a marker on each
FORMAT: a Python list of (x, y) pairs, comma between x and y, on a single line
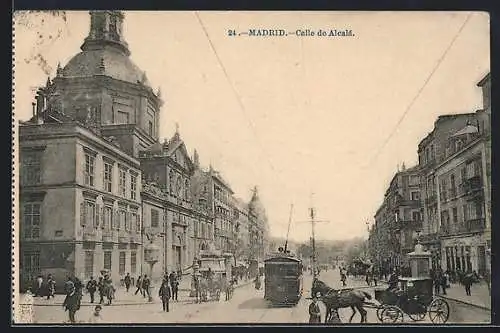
[(379, 312), (417, 316), (391, 314), (439, 311)]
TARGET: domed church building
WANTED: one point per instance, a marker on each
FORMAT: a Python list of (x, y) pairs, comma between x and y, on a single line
[(80, 177)]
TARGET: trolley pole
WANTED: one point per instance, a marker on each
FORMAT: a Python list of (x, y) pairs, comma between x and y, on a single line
[(313, 241)]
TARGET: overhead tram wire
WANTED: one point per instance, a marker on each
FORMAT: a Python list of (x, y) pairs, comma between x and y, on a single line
[(419, 92), (238, 98)]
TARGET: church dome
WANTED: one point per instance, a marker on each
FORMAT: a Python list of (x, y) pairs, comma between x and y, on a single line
[(105, 61)]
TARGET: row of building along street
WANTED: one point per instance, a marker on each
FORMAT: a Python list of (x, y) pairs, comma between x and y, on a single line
[(99, 188), (444, 201)]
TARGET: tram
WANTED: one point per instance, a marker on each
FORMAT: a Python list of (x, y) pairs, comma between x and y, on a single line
[(283, 278)]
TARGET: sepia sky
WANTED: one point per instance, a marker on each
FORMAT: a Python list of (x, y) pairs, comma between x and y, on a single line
[(315, 109)]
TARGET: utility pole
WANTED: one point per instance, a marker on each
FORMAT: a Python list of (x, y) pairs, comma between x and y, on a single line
[(313, 222), (315, 271)]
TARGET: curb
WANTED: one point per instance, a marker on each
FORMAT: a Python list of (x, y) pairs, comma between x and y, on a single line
[(482, 307), (131, 303)]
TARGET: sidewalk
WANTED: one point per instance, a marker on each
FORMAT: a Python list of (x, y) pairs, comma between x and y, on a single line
[(124, 298), (479, 295)]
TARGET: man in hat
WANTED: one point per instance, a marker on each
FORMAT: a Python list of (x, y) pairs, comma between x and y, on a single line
[(72, 303), (314, 312), (91, 288)]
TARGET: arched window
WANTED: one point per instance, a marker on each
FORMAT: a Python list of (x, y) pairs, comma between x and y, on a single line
[(171, 182)]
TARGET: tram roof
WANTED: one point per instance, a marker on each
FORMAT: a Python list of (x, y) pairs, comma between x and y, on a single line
[(282, 258)]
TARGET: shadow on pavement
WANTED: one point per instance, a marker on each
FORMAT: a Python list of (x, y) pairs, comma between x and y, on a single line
[(254, 303)]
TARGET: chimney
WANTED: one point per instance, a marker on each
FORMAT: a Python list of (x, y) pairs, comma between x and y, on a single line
[(33, 104)]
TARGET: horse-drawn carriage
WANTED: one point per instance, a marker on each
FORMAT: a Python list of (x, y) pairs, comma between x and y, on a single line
[(213, 277), (413, 297)]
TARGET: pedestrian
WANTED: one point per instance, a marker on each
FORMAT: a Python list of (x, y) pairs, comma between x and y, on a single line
[(69, 285), (100, 288), (145, 286), (444, 282), (39, 284), (71, 304), (467, 282), (51, 287), (314, 312), (165, 295), (96, 316), (91, 288), (437, 282), (127, 281), (138, 284), (393, 280), (174, 284)]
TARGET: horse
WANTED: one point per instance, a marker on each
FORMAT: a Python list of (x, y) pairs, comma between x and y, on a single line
[(338, 299)]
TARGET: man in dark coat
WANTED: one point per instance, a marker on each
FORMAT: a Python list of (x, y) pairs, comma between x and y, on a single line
[(91, 288), (72, 304), (145, 286), (138, 284), (100, 288), (127, 281), (393, 280), (69, 285), (51, 287), (164, 294), (314, 312), (174, 284)]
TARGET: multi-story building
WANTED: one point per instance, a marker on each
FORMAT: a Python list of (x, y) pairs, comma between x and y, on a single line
[(223, 212), (397, 221), (257, 227), (203, 231), (241, 226), (155, 230), (79, 202), (431, 152), (455, 192), (463, 198), (169, 166)]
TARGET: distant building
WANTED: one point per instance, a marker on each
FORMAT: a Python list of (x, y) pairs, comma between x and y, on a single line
[(397, 221)]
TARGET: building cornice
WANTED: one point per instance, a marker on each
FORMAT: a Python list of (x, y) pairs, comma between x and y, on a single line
[(72, 130)]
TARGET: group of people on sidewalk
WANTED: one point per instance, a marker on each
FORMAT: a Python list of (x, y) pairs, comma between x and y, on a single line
[(43, 288), (169, 289)]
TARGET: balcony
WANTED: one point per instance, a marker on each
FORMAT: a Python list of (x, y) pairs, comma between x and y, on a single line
[(107, 235), (470, 226), (411, 203), (475, 225), (135, 238), (429, 238), (410, 224), (89, 235), (473, 184), (123, 237)]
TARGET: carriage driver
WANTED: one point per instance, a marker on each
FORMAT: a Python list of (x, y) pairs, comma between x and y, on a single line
[(393, 280)]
